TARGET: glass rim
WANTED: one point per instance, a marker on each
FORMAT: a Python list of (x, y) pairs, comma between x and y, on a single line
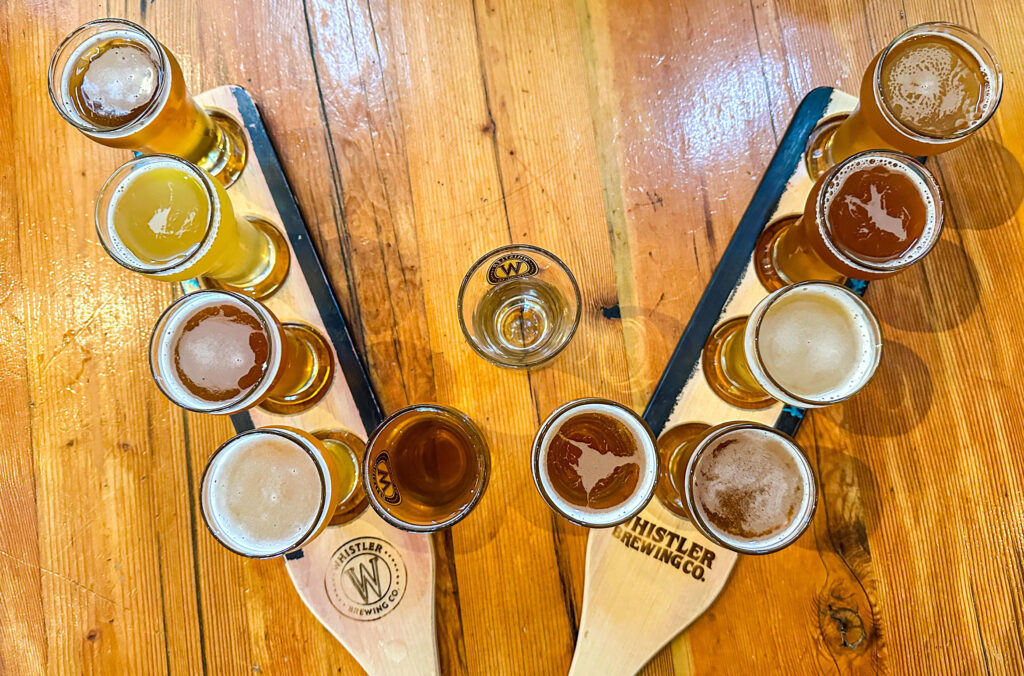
[(477, 441), (274, 356), (118, 177), (883, 105), (556, 415), (825, 228), (506, 248), (304, 444), (714, 433), (762, 310), (146, 116)]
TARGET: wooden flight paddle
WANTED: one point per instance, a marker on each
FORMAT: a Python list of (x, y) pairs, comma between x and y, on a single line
[(650, 578), (369, 583)]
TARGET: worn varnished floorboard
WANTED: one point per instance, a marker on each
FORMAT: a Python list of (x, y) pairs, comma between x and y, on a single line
[(625, 136)]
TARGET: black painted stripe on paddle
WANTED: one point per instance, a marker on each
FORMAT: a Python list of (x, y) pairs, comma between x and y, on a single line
[(309, 261), (732, 265)]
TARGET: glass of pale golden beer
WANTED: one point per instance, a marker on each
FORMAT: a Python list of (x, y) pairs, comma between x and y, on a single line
[(222, 352), (743, 485), (116, 84), (167, 219), (425, 468), (272, 490), (868, 217), (595, 462), (930, 89), (808, 345), (519, 306)]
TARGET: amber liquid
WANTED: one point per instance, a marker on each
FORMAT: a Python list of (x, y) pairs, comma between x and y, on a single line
[(426, 468), (933, 85), (221, 353), (592, 461), (306, 371)]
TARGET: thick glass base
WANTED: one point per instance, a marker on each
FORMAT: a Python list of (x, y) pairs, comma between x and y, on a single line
[(227, 159), (672, 458), (781, 260), (818, 155), (268, 282), (319, 373), (724, 361)]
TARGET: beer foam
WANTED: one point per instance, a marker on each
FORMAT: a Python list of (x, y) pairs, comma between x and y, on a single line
[(925, 84), (594, 466), (753, 488), (126, 256), (812, 344), (112, 93), (225, 353), (263, 493), (926, 189)]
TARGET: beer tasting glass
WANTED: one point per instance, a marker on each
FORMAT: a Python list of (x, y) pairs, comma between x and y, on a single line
[(868, 217), (808, 345), (743, 485), (595, 462), (167, 219), (116, 84), (222, 352), (930, 89), (425, 468), (519, 306), (270, 491)]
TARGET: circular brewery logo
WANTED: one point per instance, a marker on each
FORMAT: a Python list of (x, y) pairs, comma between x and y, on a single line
[(511, 266), (366, 579)]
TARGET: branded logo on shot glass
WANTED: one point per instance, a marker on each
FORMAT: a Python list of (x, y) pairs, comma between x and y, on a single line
[(511, 266), (366, 579), (383, 480)]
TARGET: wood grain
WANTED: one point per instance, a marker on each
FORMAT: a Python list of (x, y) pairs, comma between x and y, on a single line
[(627, 137)]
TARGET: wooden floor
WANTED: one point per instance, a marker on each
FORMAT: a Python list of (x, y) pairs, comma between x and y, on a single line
[(627, 137)]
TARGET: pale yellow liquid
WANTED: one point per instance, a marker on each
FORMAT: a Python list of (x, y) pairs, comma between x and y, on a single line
[(161, 215)]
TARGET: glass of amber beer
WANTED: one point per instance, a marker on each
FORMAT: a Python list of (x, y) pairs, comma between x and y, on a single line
[(930, 89), (809, 345), (222, 352), (272, 490), (743, 485), (868, 217), (116, 84), (425, 468), (167, 219), (595, 462)]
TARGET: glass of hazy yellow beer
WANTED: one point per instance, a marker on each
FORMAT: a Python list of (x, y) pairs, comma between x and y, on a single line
[(167, 219), (116, 84), (743, 485), (272, 490), (808, 345), (221, 352), (925, 93)]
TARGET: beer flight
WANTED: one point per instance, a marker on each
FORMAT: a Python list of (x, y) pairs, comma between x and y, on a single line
[(873, 211)]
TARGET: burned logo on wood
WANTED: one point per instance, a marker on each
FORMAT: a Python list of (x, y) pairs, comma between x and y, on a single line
[(366, 578), (665, 545)]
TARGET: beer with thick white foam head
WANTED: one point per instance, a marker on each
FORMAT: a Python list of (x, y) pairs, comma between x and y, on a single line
[(744, 485), (425, 468), (113, 81), (272, 490), (222, 352), (809, 345), (595, 462)]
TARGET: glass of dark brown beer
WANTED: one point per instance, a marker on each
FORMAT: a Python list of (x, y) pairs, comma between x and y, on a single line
[(425, 468), (870, 216), (120, 87), (222, 352), (925, 93), (595, 462), (743, 485)]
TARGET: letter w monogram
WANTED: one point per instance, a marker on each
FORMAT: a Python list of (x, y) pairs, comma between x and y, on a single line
[(367, 579), (511, 268)]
